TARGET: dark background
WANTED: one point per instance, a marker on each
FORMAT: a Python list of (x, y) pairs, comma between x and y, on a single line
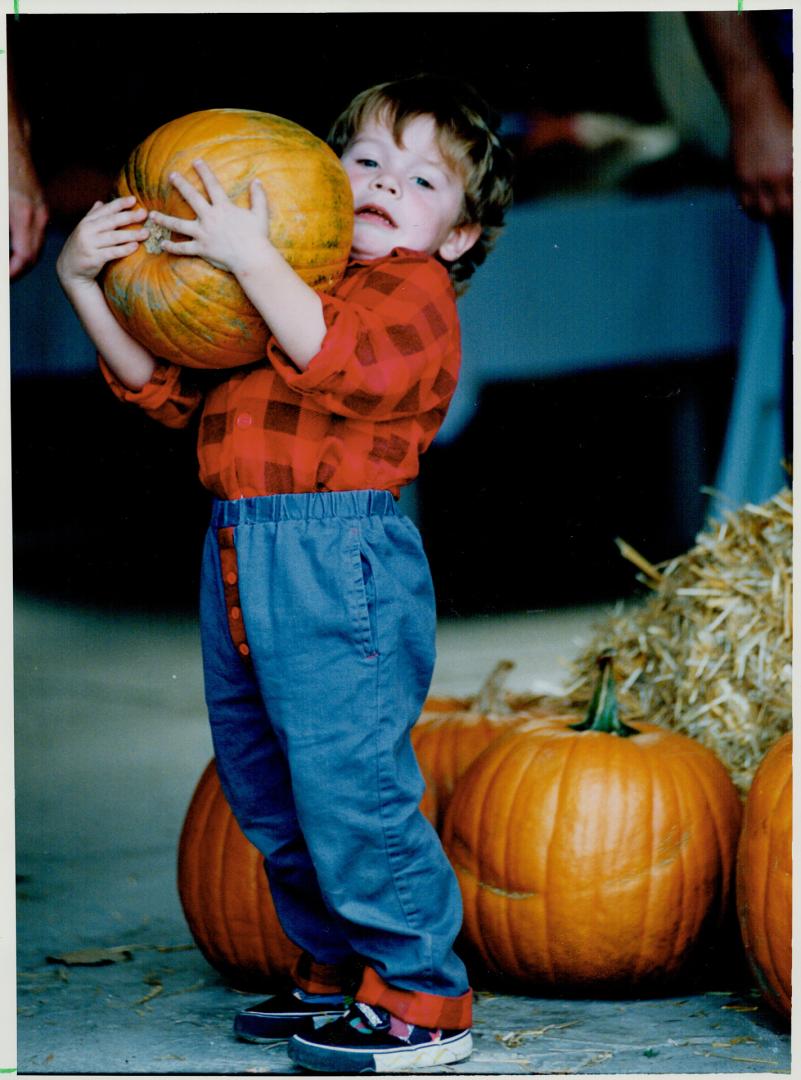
[(97, 85), (107, 507)]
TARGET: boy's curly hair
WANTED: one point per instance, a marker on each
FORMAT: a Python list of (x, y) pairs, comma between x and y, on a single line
[(468, 140)]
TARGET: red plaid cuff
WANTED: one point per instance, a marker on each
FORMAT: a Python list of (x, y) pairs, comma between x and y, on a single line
[(316, 978), (416, 1007)]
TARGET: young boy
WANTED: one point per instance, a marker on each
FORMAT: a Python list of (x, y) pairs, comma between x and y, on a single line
[(317, 610)]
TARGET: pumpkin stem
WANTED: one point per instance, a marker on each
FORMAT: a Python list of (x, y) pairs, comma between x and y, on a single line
[(158, 234), (490, 697), (602, 714)]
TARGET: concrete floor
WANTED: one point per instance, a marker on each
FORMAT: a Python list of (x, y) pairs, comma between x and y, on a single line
[(111, 738)]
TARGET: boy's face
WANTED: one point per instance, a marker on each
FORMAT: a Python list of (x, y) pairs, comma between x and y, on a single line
[(405, 196)]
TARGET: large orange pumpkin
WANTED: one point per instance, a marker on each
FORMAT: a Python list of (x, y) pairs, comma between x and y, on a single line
[(451, 733), (225, 896), (592, 854), (765, 875), (186, 310)]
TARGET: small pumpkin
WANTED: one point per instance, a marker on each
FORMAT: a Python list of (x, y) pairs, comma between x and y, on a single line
[(451, 733), (765, 875), (225, 896), (592, 853), (184, 309)]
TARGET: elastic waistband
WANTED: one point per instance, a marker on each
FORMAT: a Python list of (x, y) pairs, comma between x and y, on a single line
[(312, 506)]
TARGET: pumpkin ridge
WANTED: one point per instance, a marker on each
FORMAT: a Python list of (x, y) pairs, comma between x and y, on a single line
[(187, 875), (488, 950), (727, 864), (180, 130), (495, 889), (221, 336), (164, 302), (225, 944), (641, 962), (774, 978), (179, 309), (682, 935), (204, 911), (572, 747), (497, 955), (202, 824), (771, 977), (507, 910), (209, 883), (764, 876)]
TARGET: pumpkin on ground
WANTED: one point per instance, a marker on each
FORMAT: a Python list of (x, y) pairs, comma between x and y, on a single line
[(225, 896), (224, 890), (592, 854), (451, 733), (184, 309), (765, 875)]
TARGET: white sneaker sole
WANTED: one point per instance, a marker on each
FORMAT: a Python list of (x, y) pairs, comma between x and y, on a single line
[(343, 1060)]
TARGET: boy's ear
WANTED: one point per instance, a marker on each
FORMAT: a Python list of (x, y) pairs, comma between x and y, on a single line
[(459, 240)]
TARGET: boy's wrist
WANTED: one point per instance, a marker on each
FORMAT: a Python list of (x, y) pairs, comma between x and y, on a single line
[(76, 284), (256, 259)]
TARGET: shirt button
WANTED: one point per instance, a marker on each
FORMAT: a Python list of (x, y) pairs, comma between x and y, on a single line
[(231, 578), (236, 613), (244, 420), (244, 650)]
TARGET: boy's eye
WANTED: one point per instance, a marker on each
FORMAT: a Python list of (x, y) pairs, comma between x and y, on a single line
[(367, 162), (421, 180)]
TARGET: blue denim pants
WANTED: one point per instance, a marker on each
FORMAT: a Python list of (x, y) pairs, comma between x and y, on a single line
[(318, 623)]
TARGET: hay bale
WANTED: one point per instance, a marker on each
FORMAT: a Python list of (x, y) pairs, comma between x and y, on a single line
[(709, 654)]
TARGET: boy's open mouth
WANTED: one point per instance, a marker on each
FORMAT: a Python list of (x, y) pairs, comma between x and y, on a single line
[(377, 214)]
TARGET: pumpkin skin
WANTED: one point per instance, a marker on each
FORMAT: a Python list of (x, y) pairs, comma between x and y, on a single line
[(590, 860), (183, 309), (445, 746), (452, 732), (765, 875), (225, 896)]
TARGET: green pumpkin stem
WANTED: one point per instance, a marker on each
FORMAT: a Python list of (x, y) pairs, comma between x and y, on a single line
[(602, 714)]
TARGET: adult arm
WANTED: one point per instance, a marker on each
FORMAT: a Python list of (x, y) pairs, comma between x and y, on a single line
[(27, 209), (761, 122)]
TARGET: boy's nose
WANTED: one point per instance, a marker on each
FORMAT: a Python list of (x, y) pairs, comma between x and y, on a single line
[(386, 182)]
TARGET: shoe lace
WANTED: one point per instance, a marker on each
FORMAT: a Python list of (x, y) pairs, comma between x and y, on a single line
[(373, 1016)]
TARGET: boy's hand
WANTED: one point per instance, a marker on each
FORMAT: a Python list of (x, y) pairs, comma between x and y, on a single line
[(231, 237), (98, 238)]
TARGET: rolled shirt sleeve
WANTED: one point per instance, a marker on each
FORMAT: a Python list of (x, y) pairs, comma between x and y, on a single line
[(391, 348), (163, 397)]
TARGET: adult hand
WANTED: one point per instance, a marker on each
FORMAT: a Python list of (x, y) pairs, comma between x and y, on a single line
[(27, 210), (762, 161)]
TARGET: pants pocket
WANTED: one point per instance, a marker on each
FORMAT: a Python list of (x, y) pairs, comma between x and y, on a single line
[(363, 596)]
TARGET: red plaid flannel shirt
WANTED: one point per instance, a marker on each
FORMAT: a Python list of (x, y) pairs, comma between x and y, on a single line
[(358, 417)]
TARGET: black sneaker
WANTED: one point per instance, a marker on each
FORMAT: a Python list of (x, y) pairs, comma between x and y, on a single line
[(368, 1039), (287, 1014)]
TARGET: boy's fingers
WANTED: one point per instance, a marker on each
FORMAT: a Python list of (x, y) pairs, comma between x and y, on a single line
[(258, 196), (187, 226), (119, 251), (180, 247), (127, 217), (110, 239), (210, 181), (124, 202), (190, 194)]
